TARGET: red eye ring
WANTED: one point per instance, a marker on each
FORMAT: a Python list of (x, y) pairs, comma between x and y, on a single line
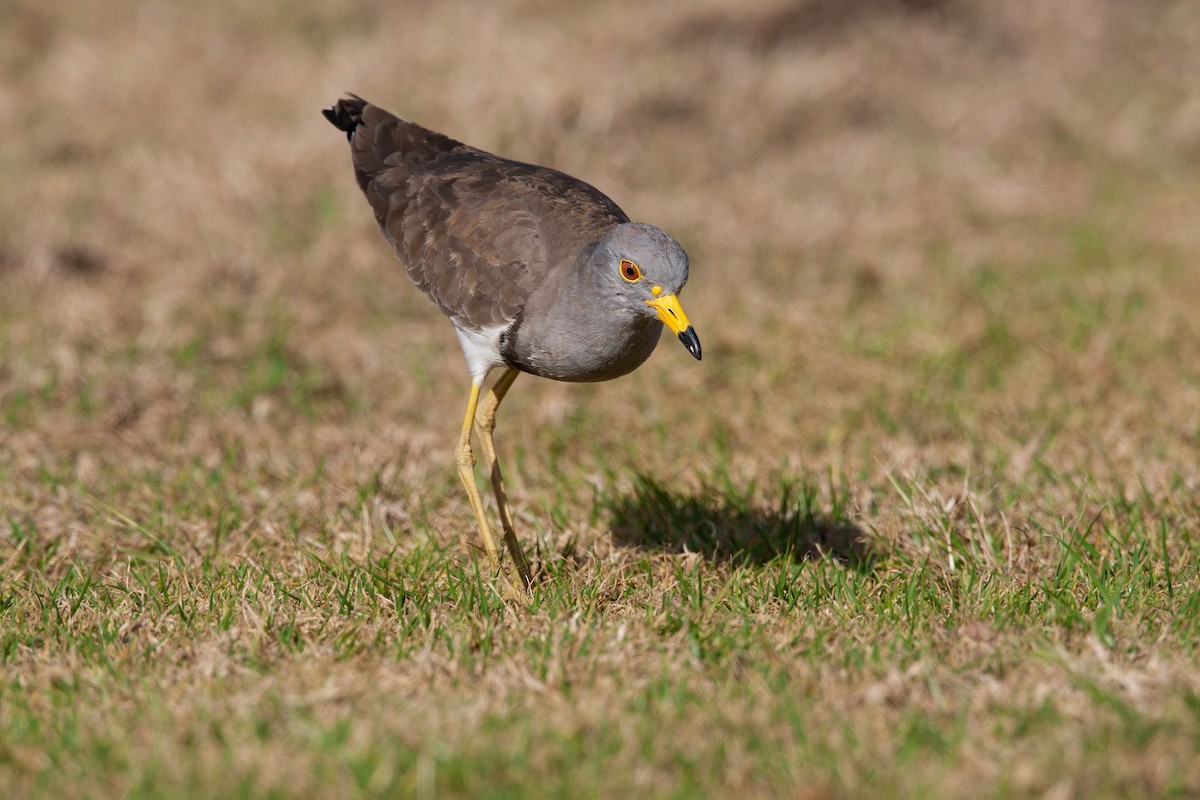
[(630, 271)]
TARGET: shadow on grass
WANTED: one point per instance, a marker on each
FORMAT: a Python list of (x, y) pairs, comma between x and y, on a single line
[(727, 525)]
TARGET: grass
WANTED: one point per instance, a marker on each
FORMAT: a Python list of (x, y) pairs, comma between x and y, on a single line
[(404, 672), (923, 523)]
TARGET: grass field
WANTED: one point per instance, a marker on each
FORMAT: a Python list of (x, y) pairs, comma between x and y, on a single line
[(925, 521)]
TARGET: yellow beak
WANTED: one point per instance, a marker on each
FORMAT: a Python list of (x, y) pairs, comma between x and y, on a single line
[(671, 313)]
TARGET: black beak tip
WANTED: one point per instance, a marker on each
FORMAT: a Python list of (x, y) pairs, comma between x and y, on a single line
[(691, 341)]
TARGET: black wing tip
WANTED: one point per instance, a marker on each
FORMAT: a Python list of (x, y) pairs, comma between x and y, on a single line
[(346, 114)]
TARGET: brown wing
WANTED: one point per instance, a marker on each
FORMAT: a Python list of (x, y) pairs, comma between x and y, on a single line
[(476, 232)]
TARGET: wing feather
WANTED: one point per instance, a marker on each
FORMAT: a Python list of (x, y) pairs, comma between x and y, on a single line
[(476, 232)]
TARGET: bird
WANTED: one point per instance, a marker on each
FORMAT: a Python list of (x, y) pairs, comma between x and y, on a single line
[(537, 271)]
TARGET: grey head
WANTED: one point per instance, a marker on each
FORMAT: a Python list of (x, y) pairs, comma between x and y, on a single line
[(602, 317), (641, 270)]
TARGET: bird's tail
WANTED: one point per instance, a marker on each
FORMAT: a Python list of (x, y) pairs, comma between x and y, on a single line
[(385, 136), (346, 114)]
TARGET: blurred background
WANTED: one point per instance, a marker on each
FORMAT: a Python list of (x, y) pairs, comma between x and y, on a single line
[(944, 266), (954, 241)]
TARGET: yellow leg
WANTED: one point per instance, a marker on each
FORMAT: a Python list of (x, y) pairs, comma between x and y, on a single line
[(485, 421), (466, 470)]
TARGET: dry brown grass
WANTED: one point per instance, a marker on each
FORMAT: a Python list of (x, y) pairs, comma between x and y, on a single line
[(944, 269)]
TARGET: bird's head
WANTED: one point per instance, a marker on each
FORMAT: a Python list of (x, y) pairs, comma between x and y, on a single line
[(646, 269)]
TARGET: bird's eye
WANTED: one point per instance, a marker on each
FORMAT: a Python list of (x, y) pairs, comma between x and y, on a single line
[(630, 271)]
